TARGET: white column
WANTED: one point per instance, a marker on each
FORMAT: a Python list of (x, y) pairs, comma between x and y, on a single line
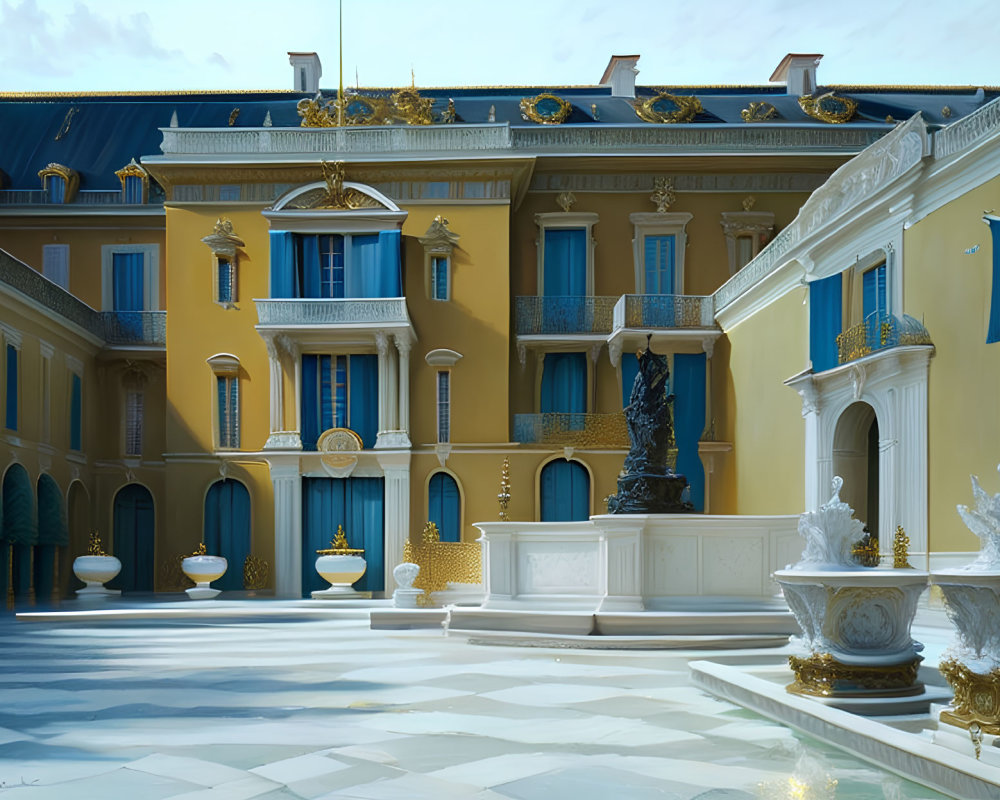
[(396, 468), (277, 419), (287, 482), (392, 393), (382, 343), (403, 346)]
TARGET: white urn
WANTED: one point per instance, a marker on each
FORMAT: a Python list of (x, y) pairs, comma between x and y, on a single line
[(203, 569), (95, 571), (340, 566)]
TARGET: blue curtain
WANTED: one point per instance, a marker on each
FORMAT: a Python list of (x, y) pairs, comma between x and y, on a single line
[(10, 415), (134, 532), (689, 421), (307, 250), (133, 190), (363, 267), (127, 281), (630, 368), (443, 506), (565, 491), (873, 297), (76, 414), (565, 264), (564, 383), (364, 397), (310, 401), (993, 334), (355, 503), (825, 301), (390, 269), (659, 264), (284, 276), (227, 529)]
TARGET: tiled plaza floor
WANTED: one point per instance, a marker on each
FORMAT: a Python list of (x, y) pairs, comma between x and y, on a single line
[(274, 708)]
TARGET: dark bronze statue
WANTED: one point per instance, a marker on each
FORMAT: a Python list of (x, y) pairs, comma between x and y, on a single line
[(647, 484)]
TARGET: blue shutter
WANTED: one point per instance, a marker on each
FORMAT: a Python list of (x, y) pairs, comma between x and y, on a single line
[(825, 300), (993, 334), (390, 271), (326, 418), (565, 264), (133, 190), (233, 412), (310, 410), (564, 383), (340, 418), (366, 528), (127, 281), (659, 264), (873, 293), (11, 395), (307, 253), (565, 491), (443, 506), (630, 368), (689, 421), (76, 414), (220, 386), (363, 267), (283, 272), (364, 398)]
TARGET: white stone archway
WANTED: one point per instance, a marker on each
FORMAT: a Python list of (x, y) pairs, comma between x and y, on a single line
[(851, 461)]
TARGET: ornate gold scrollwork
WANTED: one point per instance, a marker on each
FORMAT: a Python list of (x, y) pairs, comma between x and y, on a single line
[(335, 195), (545, 109), (656, 108), (822, 675), (442, 563), (404, 106), (828, 107), (95, 548), (339, 546), (503, 498), (977, 697), (759, 111), (71, 176), (663, 194), (256, 573)]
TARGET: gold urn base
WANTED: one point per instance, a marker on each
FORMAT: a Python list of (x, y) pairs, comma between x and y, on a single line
[(977, 698), (823, 676)]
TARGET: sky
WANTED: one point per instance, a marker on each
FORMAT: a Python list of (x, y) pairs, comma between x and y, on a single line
[(119, 45)]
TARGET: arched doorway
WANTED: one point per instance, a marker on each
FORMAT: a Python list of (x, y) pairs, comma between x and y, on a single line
[(444, 506), (855, 459), (79, 520), (227, 529), (53, 537), (564, 491), (134, 535), (20, 531)]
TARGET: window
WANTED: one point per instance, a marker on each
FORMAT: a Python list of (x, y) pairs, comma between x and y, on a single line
[(564, 491), (224, 243), (55, 189), (564, 384), (333, 266), (658, 264), (443, 406), (132, 190), (746, 234), (76, 412), (658, 244), (339, 391), (566, 255), (440, 290), (993, 330), (225, 281), (130, 277), (59, 183), (228, 390), (229, 192), (444, 506), (11, 392), (874, 299), (744, 250), (134, 401), (55, 264)]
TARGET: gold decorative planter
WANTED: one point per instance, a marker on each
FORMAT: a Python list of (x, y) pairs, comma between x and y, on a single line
[(821, 675), (977, 697)]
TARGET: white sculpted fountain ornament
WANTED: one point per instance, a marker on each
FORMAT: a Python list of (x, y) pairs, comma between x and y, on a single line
[(855, 620), (203, 569), (340, 565), (95, 569), (972, 597)]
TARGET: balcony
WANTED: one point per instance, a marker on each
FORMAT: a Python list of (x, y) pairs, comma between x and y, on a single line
[(332, 321), (563, 316), (135, 328), (607, 431), (678, 323), (880, 332)]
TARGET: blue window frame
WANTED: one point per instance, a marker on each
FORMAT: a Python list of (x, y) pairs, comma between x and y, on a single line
[(10, 417), (228, 398), (331, 266), (874, 299), (993, 332), (658, 264), (440, 289), (444, 506), (76, 413)]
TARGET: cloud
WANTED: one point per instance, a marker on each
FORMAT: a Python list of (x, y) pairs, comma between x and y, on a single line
[(218, 60)]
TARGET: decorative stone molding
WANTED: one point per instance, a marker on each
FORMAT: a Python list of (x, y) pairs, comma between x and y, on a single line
[(657, 223), (442, 358), (283, 440), (968, 131), (758, 225), (222, 240)]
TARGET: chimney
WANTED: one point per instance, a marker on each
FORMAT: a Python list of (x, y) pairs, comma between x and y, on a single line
[(307, 72), (620, 75), (798, 72)]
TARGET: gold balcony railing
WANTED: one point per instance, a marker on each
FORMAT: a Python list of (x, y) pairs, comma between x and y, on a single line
[(442, 563), (879, 332), (572, 430)]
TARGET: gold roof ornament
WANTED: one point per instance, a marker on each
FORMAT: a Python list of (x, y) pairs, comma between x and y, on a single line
[(663, 194), (759, 111), (334, 195), (545, 109), (401, 107), (666, 108), (565, 200), (829, 107), (339, 546)]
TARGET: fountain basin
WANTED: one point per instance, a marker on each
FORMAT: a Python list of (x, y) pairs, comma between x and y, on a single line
[(203, 569), (95, 571)]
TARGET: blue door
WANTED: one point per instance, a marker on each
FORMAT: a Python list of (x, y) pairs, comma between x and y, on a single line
[(565, 491), (444, 506), (227, 529), (134, 531), (20, 529), (53, 533), (355, 503)]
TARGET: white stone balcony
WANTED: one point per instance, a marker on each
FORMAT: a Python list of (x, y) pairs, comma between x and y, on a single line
[(332, 321), (678, 323)]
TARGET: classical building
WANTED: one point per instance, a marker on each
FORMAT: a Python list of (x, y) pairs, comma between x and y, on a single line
[(246, 318)]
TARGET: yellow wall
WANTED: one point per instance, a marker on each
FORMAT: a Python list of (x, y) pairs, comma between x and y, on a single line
[(759, 415), (950, 292)]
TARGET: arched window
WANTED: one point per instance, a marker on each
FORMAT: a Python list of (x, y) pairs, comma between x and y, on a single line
[(19, 531), (53, 533), (565, 491), (227, 529), (134, 536), (444, 506)]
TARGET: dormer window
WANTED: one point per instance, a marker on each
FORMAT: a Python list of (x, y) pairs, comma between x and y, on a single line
[(135, 183), (59, 183)]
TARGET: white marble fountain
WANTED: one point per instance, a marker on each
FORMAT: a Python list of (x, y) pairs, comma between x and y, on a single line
[(855, 620)]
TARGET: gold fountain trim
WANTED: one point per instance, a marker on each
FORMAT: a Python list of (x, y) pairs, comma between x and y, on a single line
[(339, 546), (977, 697), (442, 563), (821, 675), (503, 498)]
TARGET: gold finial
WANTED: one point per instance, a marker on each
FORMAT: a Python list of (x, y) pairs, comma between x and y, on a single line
[(95, 548), (449, 113), (946, 112), (430, 533), (339, 540), (200, 550), (565, 200), (900, 549), (663, 194), (748, 202), (504, 497), (339, 546)]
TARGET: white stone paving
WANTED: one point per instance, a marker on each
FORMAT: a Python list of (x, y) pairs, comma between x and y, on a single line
[(326, 708)]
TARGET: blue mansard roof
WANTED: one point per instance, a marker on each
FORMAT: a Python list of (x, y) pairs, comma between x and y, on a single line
[(97, 134)]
